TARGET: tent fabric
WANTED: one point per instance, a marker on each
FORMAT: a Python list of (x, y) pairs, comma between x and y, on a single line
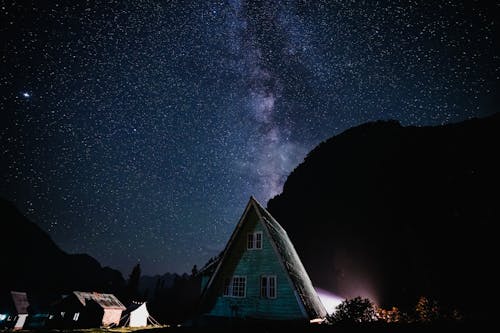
[(132, 307), (137, 315)]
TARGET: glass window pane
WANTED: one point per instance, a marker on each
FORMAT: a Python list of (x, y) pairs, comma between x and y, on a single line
[(227, 287), (272, 287), (250, 241), (258, 240), (263, 286)]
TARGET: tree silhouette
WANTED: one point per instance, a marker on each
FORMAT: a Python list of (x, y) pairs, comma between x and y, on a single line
[(194, 271), (355, 310), (133, 283)]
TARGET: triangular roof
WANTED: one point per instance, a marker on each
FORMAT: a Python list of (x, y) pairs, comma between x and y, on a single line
[(289, 259), (106, 301)]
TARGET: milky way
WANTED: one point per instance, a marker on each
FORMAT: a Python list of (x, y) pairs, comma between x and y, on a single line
[(272, 153), (137, 130)]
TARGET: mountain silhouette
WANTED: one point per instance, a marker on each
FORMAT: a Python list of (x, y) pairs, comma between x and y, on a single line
[(392, 213), (32, 262)]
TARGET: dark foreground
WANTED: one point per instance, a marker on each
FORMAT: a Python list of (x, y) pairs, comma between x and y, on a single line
[(252, 328), (390, 328)]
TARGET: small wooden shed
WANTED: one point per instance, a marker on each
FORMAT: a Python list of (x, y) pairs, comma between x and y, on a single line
[(13, 310), (90, 309)]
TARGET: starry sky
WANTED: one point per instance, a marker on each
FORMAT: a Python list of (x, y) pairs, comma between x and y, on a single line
[(135, 131)]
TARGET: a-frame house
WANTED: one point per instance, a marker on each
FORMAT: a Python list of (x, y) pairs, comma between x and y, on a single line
[(259, 275)]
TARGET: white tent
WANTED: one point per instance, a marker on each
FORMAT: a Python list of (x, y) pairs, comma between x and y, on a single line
[(137, 315)]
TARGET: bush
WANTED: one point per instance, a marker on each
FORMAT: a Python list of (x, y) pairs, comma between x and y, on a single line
[(390, 316), (426, 310), (355, 310)]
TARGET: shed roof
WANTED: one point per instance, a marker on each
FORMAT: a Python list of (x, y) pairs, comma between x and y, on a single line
[(106, 301)]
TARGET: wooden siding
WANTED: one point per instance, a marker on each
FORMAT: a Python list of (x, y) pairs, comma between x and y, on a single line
[(253, 264)]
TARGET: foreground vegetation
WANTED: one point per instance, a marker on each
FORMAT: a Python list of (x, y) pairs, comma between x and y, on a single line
[(352, 315)]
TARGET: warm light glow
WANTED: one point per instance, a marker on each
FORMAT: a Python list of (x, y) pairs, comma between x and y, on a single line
[(329, 300), (317, 320)]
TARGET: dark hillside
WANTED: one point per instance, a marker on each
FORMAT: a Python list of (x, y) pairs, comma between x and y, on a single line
[(31, 261), (394, 212)]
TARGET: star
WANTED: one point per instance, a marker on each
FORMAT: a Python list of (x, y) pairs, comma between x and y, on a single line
[(164, 118)]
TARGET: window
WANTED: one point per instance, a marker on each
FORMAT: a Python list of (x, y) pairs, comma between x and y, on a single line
[(235, 286), (254, 240), (263, 286), (268, 286), (227, 287), (258, 240), (250, 241), (239, 286), (75, 316)]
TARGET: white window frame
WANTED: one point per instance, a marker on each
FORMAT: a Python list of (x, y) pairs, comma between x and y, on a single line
[(254, 240), (265, 292), (229, 286)]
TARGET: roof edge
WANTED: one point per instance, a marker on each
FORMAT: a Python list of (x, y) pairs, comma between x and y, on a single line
[(228, 245)]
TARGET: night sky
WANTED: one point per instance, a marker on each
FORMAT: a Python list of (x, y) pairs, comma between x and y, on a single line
[(137, 130)]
